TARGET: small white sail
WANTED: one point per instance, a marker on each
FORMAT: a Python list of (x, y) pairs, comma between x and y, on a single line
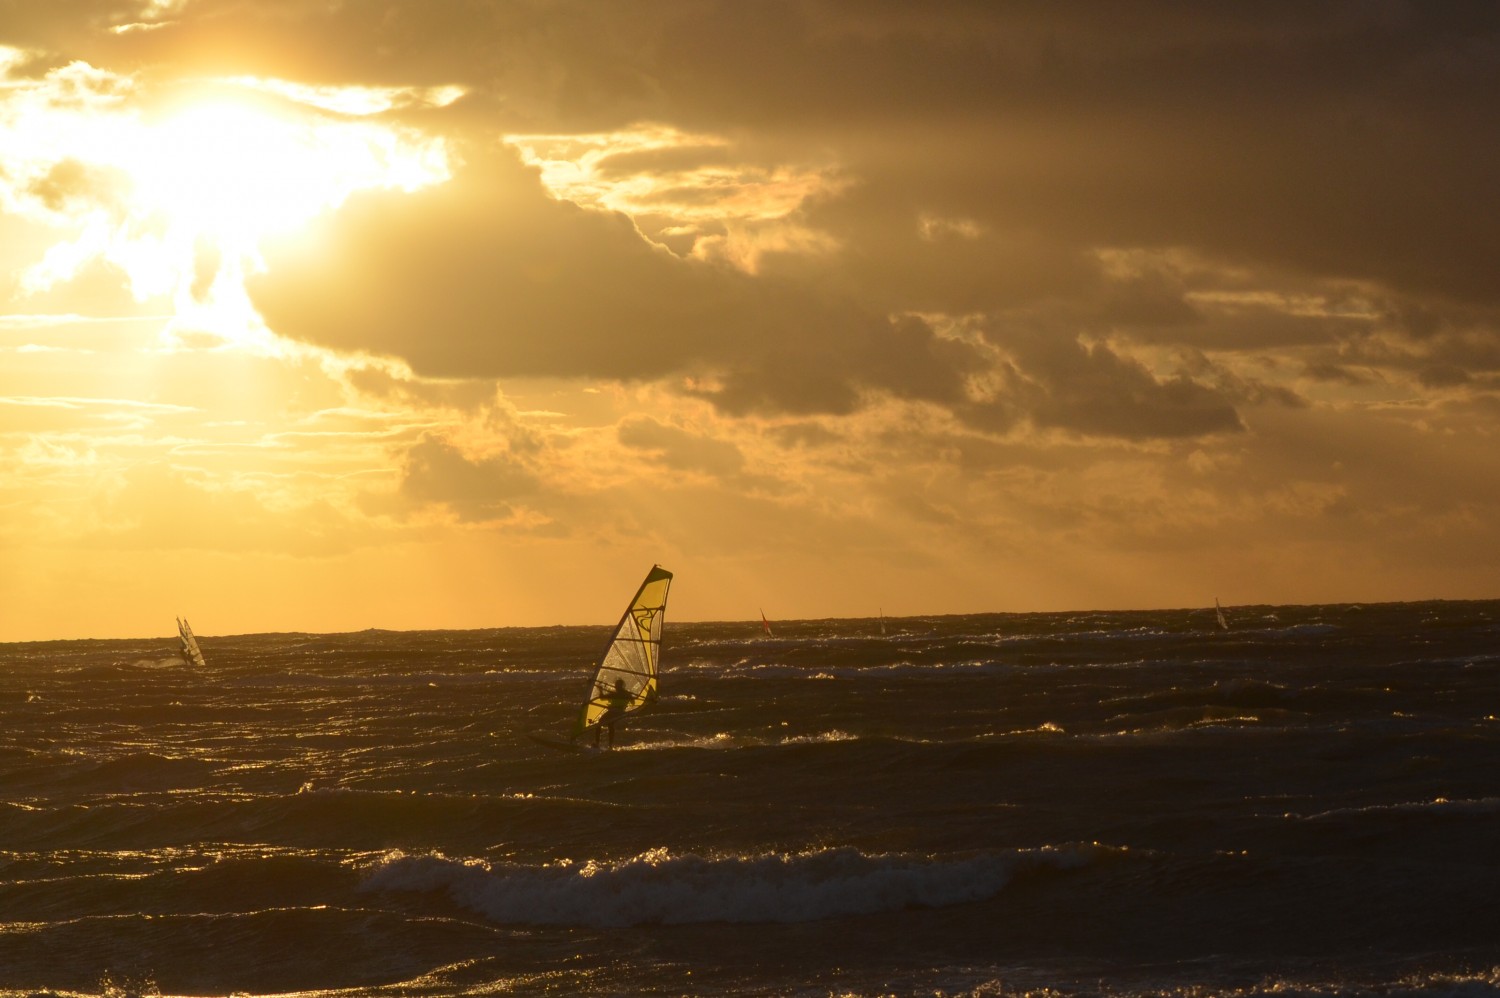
[(627, 670), (1219, 613), (189, 643)]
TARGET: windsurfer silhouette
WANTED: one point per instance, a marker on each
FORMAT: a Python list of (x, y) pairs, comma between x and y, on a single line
[(616, 702)]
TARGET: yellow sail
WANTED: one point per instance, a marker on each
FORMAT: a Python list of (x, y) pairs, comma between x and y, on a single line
[(627, 669)]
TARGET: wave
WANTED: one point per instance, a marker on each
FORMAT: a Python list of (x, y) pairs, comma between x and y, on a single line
[(747, 669), (1197, 717), (728, 740), (1239, 690), (659, 888), (1469, 983), (142, 770), (169, 662), (1439, 805)]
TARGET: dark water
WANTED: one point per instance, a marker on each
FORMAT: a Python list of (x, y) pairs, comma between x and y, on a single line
[(1115, 803)]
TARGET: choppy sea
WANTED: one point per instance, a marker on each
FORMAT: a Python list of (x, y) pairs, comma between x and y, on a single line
[(1053, 804)]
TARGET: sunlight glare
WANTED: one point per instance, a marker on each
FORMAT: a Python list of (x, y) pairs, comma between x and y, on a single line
[(181, 197), (234, 172)]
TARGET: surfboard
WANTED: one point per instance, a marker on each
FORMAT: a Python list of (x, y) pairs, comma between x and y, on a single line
[(562, 744)]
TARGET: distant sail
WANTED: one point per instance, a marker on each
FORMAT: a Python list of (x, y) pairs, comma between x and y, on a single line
[(190, 650), (632, 654), (765, 625), (882, 620), (1219, 612)]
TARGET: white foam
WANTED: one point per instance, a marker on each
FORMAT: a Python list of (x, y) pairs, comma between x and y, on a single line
[(658, 887), (727, 740)]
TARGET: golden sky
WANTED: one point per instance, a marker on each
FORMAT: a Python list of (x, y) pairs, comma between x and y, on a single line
[(319, 315)]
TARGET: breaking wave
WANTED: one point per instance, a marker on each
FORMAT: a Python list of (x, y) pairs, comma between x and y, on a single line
[(660, 888)]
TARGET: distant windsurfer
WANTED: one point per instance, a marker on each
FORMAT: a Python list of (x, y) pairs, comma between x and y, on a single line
[(616, 703)]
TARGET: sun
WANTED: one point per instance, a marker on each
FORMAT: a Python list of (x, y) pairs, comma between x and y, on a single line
[(219, 174), (234, 173), (198, 179), (237, 168)]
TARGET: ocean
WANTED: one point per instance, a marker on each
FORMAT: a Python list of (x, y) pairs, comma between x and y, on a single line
[(1112, 803)]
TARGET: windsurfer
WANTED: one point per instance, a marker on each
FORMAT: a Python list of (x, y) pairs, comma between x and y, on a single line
[(616, 703)]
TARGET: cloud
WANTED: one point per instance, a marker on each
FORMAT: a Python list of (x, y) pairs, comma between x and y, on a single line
[(24, 416), (487, 276), (70, 181), (986, 153), (1057, 381), (1029, 117), (698, 456), (397, 387), (681, 450), (1132, 297), (155, 507), (475, 489)]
